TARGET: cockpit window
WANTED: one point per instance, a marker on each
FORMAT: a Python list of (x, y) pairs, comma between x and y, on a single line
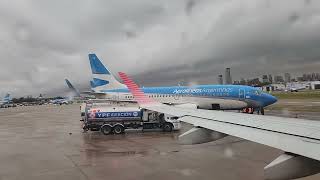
[(258, 92)]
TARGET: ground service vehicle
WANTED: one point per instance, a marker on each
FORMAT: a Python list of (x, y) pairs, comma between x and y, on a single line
[(115, 119)]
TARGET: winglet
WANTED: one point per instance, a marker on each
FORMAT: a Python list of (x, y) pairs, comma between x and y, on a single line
[(137, 93)]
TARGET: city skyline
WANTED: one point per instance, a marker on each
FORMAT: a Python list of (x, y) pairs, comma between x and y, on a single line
[(156, 42)]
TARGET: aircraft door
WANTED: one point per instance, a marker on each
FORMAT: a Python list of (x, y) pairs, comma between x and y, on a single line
[(241, 94)]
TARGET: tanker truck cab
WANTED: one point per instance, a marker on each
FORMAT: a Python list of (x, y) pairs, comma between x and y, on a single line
[(115, 119), (153, 120)]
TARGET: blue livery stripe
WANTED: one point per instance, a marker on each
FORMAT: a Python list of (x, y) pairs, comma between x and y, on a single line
[(98, 82)]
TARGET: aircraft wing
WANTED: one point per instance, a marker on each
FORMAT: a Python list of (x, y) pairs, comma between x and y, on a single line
[(300, 139), (288, 134)]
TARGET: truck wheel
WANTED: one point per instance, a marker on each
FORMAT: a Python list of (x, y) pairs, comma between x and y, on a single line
[(118, 129), (167, 127), (106, 129)]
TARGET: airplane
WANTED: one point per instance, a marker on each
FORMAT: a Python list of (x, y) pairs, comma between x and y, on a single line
[(60, 101), (298, 138), (74, 90), (6, 100), (295, 88), (215, 97)]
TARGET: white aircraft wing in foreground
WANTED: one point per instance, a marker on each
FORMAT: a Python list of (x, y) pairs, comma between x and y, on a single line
[(298, 138)]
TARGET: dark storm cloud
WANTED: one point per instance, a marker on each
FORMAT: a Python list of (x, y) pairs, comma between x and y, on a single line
[(158, 42)]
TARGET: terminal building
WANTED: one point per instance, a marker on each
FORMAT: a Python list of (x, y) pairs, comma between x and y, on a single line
[(315, 85), (220, 79), (307, 85)]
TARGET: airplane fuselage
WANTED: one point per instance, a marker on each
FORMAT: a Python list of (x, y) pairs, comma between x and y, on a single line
[(203, 96)]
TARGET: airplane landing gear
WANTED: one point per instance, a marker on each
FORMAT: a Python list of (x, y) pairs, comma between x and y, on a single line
[(251, 110), (261, 110), (248, 110)]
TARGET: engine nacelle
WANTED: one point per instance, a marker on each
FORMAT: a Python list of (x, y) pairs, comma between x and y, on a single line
[(290, 166), (198, 135)]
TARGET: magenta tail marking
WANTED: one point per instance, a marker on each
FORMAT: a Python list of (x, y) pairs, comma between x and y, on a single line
[(137, 93)]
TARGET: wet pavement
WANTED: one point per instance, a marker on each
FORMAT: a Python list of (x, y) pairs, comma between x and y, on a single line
[(46, 142)]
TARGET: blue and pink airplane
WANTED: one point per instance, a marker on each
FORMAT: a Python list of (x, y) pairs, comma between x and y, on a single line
[(215, 97)]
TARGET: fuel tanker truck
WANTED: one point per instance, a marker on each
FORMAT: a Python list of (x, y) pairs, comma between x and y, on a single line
[(115, 119)]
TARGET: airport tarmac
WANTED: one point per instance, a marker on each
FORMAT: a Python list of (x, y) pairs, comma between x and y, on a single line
[(47, 142)]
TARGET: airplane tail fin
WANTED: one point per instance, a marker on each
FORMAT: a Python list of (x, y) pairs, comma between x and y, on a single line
[(92, 84), (72, 88), (7, 97), (102, 77)]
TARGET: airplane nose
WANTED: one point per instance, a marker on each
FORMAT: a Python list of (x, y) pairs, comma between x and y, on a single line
[(270, 99)]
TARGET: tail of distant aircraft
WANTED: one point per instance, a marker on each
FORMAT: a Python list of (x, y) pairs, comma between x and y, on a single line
[(92, 85), (7, 97), (74, 90), (102, 77)]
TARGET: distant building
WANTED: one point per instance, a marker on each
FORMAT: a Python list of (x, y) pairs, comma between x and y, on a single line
[(228, 79), (270, 78), (236, 82), (287, 77), (315, 85), (278, 79), (243, 81), (253, 82), (300, 79), (265, 79), (220, 79), (310, 77), (274, 87), (313, 77)]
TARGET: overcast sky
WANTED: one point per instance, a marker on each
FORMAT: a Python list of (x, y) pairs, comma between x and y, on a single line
[(163, 42)]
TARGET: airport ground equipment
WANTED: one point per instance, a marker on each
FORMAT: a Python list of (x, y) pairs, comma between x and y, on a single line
[(111, 119)]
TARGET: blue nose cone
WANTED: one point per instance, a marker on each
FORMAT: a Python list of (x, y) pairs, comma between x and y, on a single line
[(269, 99)]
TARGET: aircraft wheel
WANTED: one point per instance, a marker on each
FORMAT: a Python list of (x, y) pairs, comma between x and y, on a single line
[(262, 111)]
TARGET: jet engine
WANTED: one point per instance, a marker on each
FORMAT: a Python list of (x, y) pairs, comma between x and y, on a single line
[(198, 135), (291, 166)]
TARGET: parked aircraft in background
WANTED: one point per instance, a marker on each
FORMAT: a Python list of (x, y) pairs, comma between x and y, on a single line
[(295, 88), (75, 91), (5, 101), (298, 138), (60, 101), (215, 97)]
